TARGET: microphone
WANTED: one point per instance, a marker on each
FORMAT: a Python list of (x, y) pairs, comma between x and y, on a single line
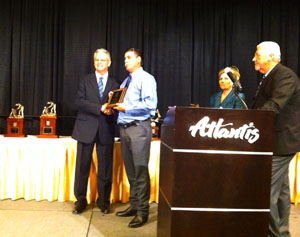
[(236, 82)]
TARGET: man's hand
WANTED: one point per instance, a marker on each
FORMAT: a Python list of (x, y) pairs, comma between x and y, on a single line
[(105, 110), (120, 108)]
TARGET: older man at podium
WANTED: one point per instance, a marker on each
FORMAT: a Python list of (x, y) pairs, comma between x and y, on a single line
[(279, 91)]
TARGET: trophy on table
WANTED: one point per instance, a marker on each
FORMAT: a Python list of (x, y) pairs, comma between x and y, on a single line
[(48, 121), (15, 122), (155, 124)]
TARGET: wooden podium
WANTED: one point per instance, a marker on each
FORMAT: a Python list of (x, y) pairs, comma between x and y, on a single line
[(15, 127), (47, 127), (215, 172)]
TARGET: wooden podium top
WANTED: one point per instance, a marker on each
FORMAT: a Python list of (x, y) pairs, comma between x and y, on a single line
[(218, 129)]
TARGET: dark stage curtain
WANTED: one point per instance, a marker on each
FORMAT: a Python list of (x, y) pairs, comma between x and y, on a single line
[(47, 45)]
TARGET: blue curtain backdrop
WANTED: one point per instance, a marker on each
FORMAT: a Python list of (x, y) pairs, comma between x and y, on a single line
[(47, 45)]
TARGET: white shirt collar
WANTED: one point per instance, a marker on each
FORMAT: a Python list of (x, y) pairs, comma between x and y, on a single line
[(104, 80), (269, 71), (136, 71)]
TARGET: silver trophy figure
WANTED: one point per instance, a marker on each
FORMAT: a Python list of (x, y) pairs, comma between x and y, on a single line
[(17, 112), (49, 109)]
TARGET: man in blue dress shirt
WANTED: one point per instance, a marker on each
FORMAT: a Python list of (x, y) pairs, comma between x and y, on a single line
[(138, 107)]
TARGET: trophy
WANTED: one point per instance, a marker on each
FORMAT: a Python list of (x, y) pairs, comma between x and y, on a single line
[(15, 122), (48, 121), (195, 105), (155, 124)]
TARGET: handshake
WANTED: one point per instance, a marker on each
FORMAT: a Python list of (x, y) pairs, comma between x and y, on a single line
[(107, 108)]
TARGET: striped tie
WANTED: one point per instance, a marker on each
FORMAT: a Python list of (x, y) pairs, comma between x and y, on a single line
[(100, 85)]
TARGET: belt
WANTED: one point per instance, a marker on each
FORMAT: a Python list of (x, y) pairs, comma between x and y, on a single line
[(133, 123)]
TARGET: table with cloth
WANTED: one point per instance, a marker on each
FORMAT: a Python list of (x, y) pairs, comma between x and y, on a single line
[(44, 169), (294, 176)]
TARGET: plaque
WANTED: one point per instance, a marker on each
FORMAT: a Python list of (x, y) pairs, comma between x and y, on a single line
[(15, 127), (48, 130), (48, 121), (15, 122), (48, 127), (14, 130), (116, 98)]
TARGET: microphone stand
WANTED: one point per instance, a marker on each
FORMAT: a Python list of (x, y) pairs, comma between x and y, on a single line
[(236, 92)]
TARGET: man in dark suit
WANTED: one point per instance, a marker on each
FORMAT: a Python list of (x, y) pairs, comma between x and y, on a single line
[(94, 126), (279, 91)]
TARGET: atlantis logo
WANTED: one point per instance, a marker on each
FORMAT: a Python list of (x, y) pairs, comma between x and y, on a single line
[(219, 130)]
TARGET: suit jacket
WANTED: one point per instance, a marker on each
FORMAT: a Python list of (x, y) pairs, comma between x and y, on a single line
[(231, 101), (89, 118), (280, 92)]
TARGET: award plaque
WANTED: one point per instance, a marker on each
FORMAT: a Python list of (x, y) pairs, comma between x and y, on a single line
[(48, 121), (116, 98), (15, 127), (15, 122), (48, 127)]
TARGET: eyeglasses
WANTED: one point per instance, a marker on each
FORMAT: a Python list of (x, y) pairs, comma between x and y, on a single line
[(101, 60)]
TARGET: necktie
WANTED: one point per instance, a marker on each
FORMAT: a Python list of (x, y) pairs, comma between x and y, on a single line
[(258, 88), (128, 81), (100, 85)]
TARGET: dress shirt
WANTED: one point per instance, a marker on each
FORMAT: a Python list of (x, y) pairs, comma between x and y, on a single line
[(104, 80), (261, 81), (140, 100)]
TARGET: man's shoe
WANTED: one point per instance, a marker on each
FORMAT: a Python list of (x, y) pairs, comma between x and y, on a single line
[(78, 208), (138, 221), (128, 212), (103, 206), (104, 209)]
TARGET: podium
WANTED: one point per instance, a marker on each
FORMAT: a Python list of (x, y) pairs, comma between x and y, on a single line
[(215, 172), (15, 127)]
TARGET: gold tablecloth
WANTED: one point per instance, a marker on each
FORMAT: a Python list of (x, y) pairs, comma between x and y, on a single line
[(44, 169), (295, 179)]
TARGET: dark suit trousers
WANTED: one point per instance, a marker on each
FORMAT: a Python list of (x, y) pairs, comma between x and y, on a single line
[(280, 203), (135, 144), (104, 176)]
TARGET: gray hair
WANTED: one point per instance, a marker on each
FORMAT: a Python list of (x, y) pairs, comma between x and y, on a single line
[(271, 47), (102, 51)]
